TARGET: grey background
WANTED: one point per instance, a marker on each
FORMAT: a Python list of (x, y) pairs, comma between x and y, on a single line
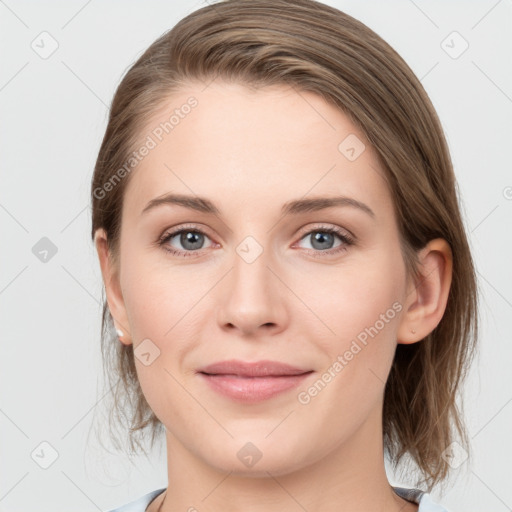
[(53, 115)]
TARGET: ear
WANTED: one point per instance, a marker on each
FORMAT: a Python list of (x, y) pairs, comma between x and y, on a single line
[(426, 298), (112, 287)]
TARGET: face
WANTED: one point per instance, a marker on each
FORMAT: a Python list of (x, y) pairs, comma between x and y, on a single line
[(320, 286)]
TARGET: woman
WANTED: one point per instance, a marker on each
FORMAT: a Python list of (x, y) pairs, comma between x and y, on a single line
[(283, 372)]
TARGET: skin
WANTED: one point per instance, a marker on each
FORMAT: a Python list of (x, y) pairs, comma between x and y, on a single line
[(249, 152)]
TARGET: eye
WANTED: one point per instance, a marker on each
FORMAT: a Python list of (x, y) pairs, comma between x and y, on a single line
[(322, 239), (191, 240)]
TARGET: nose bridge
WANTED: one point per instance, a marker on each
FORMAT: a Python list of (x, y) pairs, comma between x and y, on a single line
[(251, 296), (251, 277)]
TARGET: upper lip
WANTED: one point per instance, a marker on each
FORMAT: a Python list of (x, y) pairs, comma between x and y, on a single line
[(264, 368)]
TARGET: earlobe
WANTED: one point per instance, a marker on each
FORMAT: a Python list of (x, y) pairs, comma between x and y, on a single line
[(427, 297), (112, 287)]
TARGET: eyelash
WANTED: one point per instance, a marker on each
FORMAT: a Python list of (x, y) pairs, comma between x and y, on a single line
[(345, 238)]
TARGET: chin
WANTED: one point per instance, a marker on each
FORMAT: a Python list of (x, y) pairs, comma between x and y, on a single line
[(255, 460)]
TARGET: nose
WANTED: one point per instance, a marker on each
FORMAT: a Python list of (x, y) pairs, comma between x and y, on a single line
[(252, 297)]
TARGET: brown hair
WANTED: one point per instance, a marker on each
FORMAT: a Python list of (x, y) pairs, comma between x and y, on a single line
[(317, 48)]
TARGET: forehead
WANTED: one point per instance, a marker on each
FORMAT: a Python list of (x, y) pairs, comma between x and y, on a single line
[(253, 146)]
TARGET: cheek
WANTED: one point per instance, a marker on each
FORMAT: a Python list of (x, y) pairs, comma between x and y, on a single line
[(164, 306), (359, 301), (362, 305), (155, 294), (160, 308)]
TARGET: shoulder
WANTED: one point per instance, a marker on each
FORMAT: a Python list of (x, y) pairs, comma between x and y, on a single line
[(140, 504), (422, 498), (428, 505)]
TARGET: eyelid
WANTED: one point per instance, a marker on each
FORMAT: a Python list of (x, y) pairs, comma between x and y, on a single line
[(303, 231), (174, 230), (346, 236), (325, 225)]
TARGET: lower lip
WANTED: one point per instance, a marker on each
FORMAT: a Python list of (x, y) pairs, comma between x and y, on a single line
[(252, 389)]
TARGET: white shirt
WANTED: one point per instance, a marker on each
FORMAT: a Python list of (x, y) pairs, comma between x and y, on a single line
[(417, 496)]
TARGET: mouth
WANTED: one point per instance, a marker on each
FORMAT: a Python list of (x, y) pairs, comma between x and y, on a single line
[(252, 382), (264, 368)]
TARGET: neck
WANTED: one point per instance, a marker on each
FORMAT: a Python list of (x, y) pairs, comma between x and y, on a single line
[(350, 478)]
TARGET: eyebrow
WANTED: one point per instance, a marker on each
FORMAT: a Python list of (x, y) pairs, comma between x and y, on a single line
[(294, 207)]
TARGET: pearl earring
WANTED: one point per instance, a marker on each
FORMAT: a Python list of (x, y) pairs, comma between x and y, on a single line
[(119, 332)]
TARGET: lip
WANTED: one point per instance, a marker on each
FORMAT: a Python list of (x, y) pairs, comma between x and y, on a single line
[(264, 368), (252, 382)]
